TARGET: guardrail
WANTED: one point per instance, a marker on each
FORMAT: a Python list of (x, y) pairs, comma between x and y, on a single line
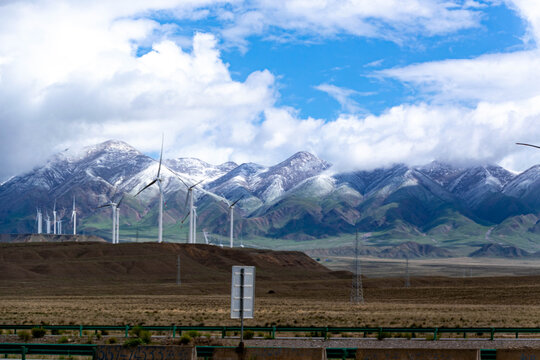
[(323, 332)]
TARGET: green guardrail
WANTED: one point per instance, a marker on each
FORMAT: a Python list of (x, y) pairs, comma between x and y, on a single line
[(323, 332)]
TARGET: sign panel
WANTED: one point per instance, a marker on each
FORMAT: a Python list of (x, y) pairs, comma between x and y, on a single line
[(242, 292)]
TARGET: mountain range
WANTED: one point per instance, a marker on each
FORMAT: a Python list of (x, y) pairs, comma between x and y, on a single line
[(299, 203)]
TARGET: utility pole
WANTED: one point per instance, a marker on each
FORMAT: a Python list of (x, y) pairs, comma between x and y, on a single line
[(357, 292)]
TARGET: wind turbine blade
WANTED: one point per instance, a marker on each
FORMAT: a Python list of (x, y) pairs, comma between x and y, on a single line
[(535, 146), (192, 186), (160, 155), (119, 202), (234, 203), (185, 217), (187, 197), (102, 206), (147, 186)]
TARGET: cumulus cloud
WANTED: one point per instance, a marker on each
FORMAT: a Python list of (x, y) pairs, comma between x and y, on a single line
[(70, 74)]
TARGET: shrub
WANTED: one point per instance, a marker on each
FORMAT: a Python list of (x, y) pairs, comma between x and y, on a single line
[(111, 340), (383, 335), (136, 331), (248, 334), (184, 340), (145, 336), (63, 340), (104, 332), (24, 335), (56, 332), (134, 342), (193, 333), (38, 332)]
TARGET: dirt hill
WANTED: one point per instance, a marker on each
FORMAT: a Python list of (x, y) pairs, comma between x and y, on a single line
[(204, 268)]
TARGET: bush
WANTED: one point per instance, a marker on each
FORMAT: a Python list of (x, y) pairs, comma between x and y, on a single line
[(145, 336), (383, 335), (56, 332), (193, 333), (185, 339), (248, 334), (24, 335), (104, 332), (131, 343), (38, 332), (136, 331), (63, 340), (111, 340)]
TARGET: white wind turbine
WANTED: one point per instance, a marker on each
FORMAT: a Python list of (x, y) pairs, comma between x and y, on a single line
[(157, 180), (192, 212), (231, 216), (115, 218), (74, 217), (39, 221), (48, 222), (54, 218)]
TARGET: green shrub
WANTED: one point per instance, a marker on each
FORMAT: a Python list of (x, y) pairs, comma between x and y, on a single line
[(38, 332), (145, 336), (133, 342), (111, 340), (104, 332), (383, 335), (24, 335), (56, 332), (185, 339), (248, 334), (136, 331), (63, 340), (193, 333)]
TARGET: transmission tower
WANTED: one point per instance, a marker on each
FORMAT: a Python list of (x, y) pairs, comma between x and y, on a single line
[(407, 277), (357, 292)]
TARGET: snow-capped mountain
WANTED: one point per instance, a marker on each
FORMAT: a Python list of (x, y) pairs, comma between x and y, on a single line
[(296, 199)]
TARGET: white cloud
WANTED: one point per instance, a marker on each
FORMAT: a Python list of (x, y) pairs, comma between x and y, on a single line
[(388, 19), (342, 96), (69, 74)]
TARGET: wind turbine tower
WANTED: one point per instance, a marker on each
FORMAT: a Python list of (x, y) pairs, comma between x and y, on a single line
[(192, 211), (48, 222), (231, 216), (54, 218), (74, 217), (39, 220), (158, 180)]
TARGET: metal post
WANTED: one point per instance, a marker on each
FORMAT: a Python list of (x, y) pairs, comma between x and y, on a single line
[(23, 353), (174, 331), (241, 305), (80, 330), (127, 330)]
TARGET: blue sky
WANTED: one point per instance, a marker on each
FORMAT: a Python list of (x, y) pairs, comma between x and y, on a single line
[(361, 84)]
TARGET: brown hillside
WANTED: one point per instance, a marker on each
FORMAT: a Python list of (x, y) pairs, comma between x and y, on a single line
[(204, 268)]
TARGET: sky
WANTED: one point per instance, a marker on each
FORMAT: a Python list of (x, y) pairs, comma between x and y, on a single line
[(360, 83)]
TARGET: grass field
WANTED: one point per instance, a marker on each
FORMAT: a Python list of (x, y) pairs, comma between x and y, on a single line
[(136, 284)]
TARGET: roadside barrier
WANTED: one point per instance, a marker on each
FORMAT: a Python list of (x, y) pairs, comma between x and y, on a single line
[(323, 332)]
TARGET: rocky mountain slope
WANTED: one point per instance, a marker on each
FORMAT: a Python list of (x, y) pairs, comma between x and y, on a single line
[(298, 201)]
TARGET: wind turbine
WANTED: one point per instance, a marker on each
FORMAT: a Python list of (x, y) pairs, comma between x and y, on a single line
[(157, 180), (231, 216), (39, 221), (48, 222), (118, 220), (54, 218), (74, 217), (115, 218), (192, 211)]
